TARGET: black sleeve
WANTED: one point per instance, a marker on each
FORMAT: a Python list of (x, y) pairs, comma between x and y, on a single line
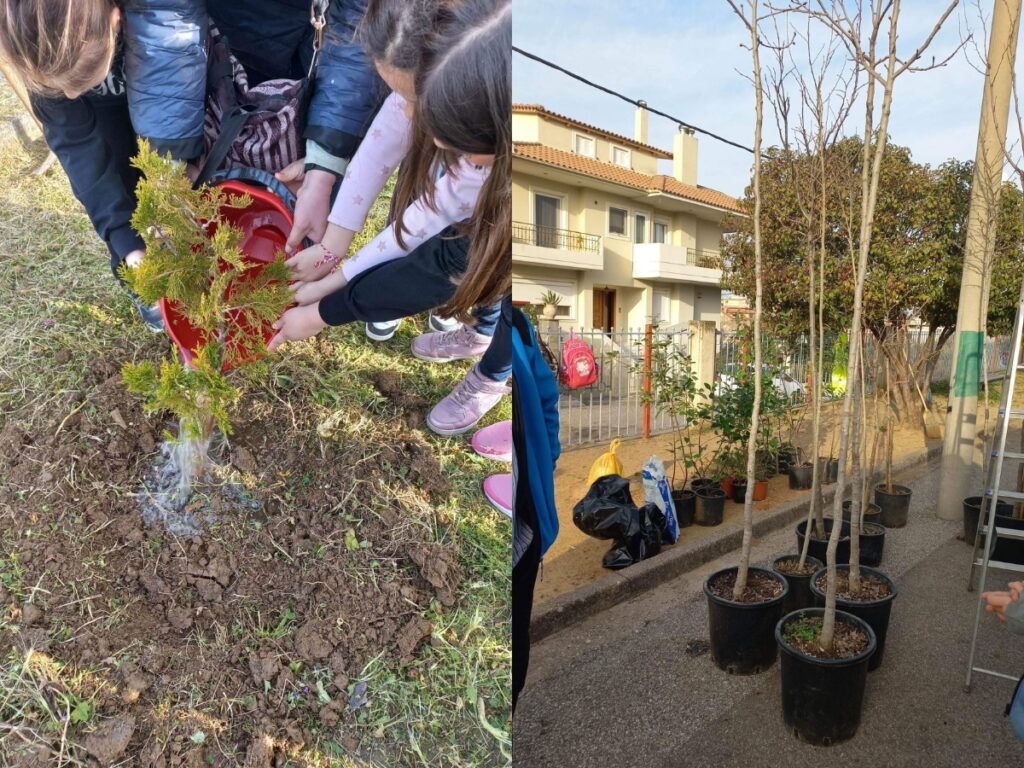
[(95, 143)]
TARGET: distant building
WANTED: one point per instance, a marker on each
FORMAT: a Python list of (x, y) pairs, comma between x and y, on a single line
[(594, 221)]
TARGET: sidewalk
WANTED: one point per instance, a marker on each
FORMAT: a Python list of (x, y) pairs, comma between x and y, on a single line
[(634, 687)]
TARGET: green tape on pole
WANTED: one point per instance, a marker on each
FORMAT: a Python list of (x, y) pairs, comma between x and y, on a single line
[(968, 364)]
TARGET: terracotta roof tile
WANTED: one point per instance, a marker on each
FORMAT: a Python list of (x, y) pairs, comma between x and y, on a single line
[(624, 176), (538, 109)]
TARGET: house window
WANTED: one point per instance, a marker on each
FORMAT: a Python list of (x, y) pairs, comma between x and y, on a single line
[(617, 221), (660, 232), (620, 156), (640, 229), (546, 215), (662, 306), (584, 146)]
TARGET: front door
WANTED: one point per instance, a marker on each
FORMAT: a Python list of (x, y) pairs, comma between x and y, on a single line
[(604, 309)]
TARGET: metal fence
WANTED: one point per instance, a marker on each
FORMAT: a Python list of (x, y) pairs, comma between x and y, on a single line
[(614, 406), (552, 237)]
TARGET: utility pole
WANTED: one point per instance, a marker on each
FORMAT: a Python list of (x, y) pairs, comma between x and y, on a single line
[(959, 457)]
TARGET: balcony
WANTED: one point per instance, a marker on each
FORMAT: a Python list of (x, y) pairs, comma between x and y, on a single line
[(676, 263), (551, 247)]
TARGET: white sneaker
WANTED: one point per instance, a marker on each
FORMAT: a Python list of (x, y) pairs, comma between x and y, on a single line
[(383, 331), (443, 324)]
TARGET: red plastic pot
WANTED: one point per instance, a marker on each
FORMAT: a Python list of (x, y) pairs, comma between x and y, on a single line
[(266, 223)]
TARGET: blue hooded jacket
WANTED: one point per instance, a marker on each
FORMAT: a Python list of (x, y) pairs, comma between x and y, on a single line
[(537, 408), (157, 90)]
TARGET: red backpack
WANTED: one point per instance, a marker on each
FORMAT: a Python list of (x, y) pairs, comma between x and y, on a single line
[(579, 369)]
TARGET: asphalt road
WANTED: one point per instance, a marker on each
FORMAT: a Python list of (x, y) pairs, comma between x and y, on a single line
[(621, 689)]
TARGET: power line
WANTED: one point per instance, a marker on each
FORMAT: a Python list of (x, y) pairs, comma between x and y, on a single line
[(625, 98)]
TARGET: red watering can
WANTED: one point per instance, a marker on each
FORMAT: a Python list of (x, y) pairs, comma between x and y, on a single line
[(266, 223)]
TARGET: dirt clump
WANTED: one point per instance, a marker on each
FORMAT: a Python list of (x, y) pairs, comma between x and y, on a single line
[(110, 740)]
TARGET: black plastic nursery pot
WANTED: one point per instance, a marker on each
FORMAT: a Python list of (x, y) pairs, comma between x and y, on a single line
[(703, 482), (742, 634), (895, 505), (872, 543), (819, 547), (829, 471), (822, 699), (789, 457), (801, 476), (685, 503), (872, 515), (876, 612), (710, 506), (799, 595), (739, 491), (972, 511)]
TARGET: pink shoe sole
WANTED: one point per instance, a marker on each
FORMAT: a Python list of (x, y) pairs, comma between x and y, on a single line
[(498, 490), (494, 442)]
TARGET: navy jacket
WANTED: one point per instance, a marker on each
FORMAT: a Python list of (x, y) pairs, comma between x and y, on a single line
[(158, 85)]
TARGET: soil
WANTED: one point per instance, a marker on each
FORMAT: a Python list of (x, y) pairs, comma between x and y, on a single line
[(793, 567), (871, 589), (252, 608), (761, 587), (847, 642)]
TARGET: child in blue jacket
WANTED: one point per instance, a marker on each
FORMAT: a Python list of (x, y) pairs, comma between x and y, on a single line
[(535, 451)]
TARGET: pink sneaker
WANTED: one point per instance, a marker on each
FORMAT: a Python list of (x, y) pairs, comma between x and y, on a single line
[(469, 402), (494, 442), (461, 344), (498, 490)]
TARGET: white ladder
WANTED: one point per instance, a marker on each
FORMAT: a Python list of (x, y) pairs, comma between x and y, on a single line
[(993, 495)]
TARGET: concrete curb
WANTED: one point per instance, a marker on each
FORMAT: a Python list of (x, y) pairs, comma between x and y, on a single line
[(590, 599)]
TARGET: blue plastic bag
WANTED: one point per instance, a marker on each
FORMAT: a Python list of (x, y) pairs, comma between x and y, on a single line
[(658, 492)]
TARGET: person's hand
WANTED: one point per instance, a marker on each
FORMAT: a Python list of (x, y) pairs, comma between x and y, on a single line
[(315, 262), (312, 292), (135, 258), (997, 602), (296, 324), (312, 205), (293, 175)]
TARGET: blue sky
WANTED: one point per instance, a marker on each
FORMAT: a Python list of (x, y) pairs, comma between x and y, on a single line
[(684, 57)]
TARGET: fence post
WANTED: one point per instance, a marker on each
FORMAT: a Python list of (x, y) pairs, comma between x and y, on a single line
[(702, 351), (648, 355)]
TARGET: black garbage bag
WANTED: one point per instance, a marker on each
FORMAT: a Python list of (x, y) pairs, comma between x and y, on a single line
[(646, 543), (608, 512)]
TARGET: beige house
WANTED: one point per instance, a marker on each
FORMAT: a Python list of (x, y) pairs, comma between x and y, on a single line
[(594, 221)]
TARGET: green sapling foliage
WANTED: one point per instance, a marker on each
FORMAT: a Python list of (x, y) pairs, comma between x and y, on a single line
[(194, 258)]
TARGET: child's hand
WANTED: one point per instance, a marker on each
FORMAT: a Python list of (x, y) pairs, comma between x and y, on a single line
[(296, 324), (318, 260), (310, 293)]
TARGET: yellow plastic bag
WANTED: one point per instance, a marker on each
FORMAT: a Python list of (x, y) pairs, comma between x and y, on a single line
[(606, 464)]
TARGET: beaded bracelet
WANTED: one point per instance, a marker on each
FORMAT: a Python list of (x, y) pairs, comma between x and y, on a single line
[(330, 257)]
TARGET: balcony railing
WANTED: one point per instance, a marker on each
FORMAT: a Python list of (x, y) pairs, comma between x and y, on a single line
[(550, 237), (698, 257)]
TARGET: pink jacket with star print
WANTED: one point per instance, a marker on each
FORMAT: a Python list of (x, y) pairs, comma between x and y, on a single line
[(386, 143)]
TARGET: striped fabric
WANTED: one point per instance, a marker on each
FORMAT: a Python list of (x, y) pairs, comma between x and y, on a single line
[(271, 136)]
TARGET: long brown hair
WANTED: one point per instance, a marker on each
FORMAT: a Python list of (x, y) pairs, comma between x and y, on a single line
[(57, 44), (464, 99)]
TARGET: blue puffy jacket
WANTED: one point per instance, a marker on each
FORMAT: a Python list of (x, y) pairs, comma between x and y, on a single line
[(158, 87)]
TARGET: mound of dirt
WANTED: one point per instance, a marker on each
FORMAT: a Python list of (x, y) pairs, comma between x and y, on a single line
[(276, 610)]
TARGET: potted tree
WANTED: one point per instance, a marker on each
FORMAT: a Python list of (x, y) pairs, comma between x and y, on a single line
[(893, 500), (550, 301), (675, 394), (744, 603)]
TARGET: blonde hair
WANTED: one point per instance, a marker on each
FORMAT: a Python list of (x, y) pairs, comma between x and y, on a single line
[(57, 46)]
